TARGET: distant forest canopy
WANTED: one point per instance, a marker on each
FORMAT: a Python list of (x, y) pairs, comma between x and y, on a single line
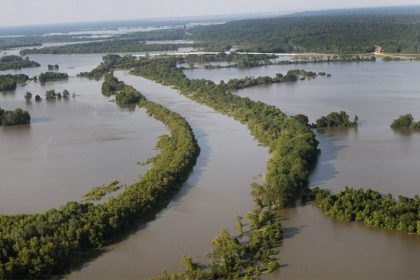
[(320, 32), (105, 47), (395, 30)]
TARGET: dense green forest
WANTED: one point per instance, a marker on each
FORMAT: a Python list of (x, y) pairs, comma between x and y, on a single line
[(405, 122), (9, 82), (336, 33), (16, 62), (16, 117), (47, 244), (52, 76), (335, 119), (372, 208)]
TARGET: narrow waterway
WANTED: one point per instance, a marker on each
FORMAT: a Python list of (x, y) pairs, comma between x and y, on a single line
[(217, 191)]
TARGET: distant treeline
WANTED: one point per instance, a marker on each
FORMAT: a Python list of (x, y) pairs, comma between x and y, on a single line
[(16, 117), (16, 62), (344, 33), (111, 46), (300, 60), (9, 82)]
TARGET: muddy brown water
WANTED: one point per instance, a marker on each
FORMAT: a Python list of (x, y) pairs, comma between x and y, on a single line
[(70, 146), (372, 155), (216, 191)]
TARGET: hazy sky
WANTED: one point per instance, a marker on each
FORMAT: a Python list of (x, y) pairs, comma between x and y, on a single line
[(22, 12)]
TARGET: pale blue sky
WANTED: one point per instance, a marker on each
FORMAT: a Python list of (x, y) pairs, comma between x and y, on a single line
[(22, 12)]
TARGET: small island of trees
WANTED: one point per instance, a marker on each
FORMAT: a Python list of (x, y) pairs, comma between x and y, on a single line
[(52, 94), (16, 62), (371, 207), (52, 67), (405, 122), (336, 119), (16, 117), (52, 76), (9, 82)]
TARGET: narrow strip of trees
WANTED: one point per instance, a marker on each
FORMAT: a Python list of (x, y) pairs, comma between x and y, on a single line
[(48, 244)]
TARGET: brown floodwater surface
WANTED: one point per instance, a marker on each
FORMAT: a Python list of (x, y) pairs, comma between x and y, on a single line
[(70, 145), (372, 155), (217, 190)]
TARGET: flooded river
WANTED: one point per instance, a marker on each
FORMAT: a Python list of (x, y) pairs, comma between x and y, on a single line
[(70, 145), (74, 145), (217, 191), (372, 155)]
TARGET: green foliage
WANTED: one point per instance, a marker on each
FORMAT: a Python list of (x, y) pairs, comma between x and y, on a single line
[(52, 76), (125, 95), (97, 193), (336, 119), (344, 33), (111, 85), (405, 122), (28, 96), (302, 119), (52, 67), (16, 117), (372, 208), (293, 148), (9, 82), (47, 244), (66, 94), (109, 46), (16, 62), (50, 94)]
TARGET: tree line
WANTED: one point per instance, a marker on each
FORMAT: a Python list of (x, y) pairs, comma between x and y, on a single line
[(293, 150), (372, 208), (336, 119), (48, 244), (52, 76), (327, 33), (9, 81), (16, 117), (124, 95), (110, 46), (405, 122), (16, 62)]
